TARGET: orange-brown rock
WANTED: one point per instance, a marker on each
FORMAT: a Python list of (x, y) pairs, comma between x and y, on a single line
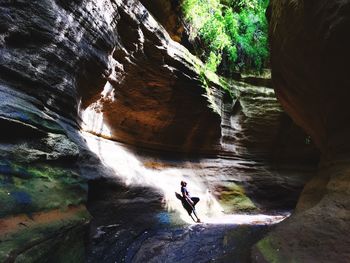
[(168, 14)]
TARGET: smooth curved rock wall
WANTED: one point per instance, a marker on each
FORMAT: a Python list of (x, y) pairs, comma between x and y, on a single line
[(309, 58)]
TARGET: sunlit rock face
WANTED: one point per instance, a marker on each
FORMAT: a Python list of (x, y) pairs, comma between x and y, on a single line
[(310, 55), (153, 96)]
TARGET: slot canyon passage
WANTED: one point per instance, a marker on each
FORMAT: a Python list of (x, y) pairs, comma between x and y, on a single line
[(106, 107)]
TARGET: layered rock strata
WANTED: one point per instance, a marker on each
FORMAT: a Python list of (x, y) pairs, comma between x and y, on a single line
[(114, 62), (53, 54)]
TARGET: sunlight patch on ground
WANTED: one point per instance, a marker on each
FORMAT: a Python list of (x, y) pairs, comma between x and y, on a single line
[(166, 180), (259, 219)]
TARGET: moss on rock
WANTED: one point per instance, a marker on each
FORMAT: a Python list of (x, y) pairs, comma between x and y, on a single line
[(32, 188), (266, 251), (233, 199)]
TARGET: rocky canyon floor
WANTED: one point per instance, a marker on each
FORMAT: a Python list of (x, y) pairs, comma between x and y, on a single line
[(137, 229), (137, 217)]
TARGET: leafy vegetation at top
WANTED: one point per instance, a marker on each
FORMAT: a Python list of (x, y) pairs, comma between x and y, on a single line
[(234, 33)]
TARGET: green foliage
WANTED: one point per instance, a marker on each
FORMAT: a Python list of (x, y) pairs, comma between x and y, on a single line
[(213, 61), (234, 199), (232, 30)]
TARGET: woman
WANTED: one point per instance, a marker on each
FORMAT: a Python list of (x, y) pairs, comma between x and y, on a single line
[(189, 202)]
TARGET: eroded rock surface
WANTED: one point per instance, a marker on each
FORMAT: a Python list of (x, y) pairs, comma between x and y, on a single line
[(153, 97), (51, 52), (168, 14), (309, 45), (137, 86)]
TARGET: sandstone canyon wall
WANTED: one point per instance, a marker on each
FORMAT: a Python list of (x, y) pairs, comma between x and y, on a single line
[(309, 58), (50, 52), (113, 62)]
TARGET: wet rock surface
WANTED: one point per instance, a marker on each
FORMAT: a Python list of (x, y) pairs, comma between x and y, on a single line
[(199, 243)]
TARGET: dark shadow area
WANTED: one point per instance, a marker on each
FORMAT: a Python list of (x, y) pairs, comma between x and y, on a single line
[(121, 215)]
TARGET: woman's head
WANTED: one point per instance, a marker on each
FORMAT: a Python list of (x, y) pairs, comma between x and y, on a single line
[(183, 183)]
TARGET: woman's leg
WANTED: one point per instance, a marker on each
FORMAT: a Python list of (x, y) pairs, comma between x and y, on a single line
[(195, 200)]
